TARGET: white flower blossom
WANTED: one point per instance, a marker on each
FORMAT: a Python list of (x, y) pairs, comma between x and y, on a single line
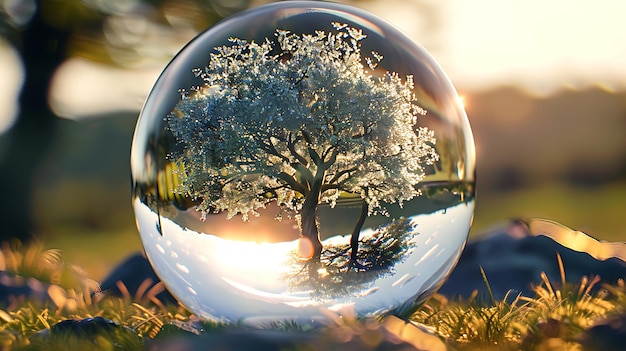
[(310, 122)]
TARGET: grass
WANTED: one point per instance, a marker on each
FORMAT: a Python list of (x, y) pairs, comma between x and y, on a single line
[(558, 316), (73, 295), (595, 210), (97, 252)]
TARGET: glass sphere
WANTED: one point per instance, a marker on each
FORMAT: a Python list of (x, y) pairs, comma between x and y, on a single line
[(299, 158)]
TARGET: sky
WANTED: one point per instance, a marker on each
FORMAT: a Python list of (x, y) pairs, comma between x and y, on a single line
[(541, 46)]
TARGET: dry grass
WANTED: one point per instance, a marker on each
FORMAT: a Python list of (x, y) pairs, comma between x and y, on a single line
[(556, 318)]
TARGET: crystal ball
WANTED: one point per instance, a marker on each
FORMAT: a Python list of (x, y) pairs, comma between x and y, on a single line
[(299, 159)]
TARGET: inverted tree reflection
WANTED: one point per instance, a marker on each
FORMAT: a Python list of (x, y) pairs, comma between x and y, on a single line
[(336, 274)]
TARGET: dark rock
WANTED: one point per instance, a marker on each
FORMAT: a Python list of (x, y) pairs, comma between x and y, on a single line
[(14, 287), (513, 258), (132, 273), (543, 333), (608, 334)]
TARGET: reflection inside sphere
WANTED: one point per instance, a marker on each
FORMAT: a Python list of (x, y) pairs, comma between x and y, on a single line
[(268, 281), (298, 158)]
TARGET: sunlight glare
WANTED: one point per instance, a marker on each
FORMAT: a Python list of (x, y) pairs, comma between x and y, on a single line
[(462, 100), (305, 248)]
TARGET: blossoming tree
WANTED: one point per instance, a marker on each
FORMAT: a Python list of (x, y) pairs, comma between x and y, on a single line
[(300, 121)]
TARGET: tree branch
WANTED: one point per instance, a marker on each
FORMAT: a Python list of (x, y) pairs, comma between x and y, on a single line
[(315, 157), (291, 145), (330, 148), (331, 160), (271, 149), (236, 176), (367, 130), (304, 75), (334, 182), (293, 183)]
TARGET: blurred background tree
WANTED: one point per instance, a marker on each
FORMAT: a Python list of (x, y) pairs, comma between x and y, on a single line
[(45, 33)]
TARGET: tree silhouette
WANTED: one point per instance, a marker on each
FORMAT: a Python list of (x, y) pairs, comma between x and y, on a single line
[(45, 33), (301, 120)]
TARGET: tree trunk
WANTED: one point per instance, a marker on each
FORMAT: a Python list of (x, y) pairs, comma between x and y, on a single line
[(354, 239), (309, 227), (42, 49)]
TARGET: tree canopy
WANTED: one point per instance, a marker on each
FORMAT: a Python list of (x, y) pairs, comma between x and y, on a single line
[(300, 121)]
